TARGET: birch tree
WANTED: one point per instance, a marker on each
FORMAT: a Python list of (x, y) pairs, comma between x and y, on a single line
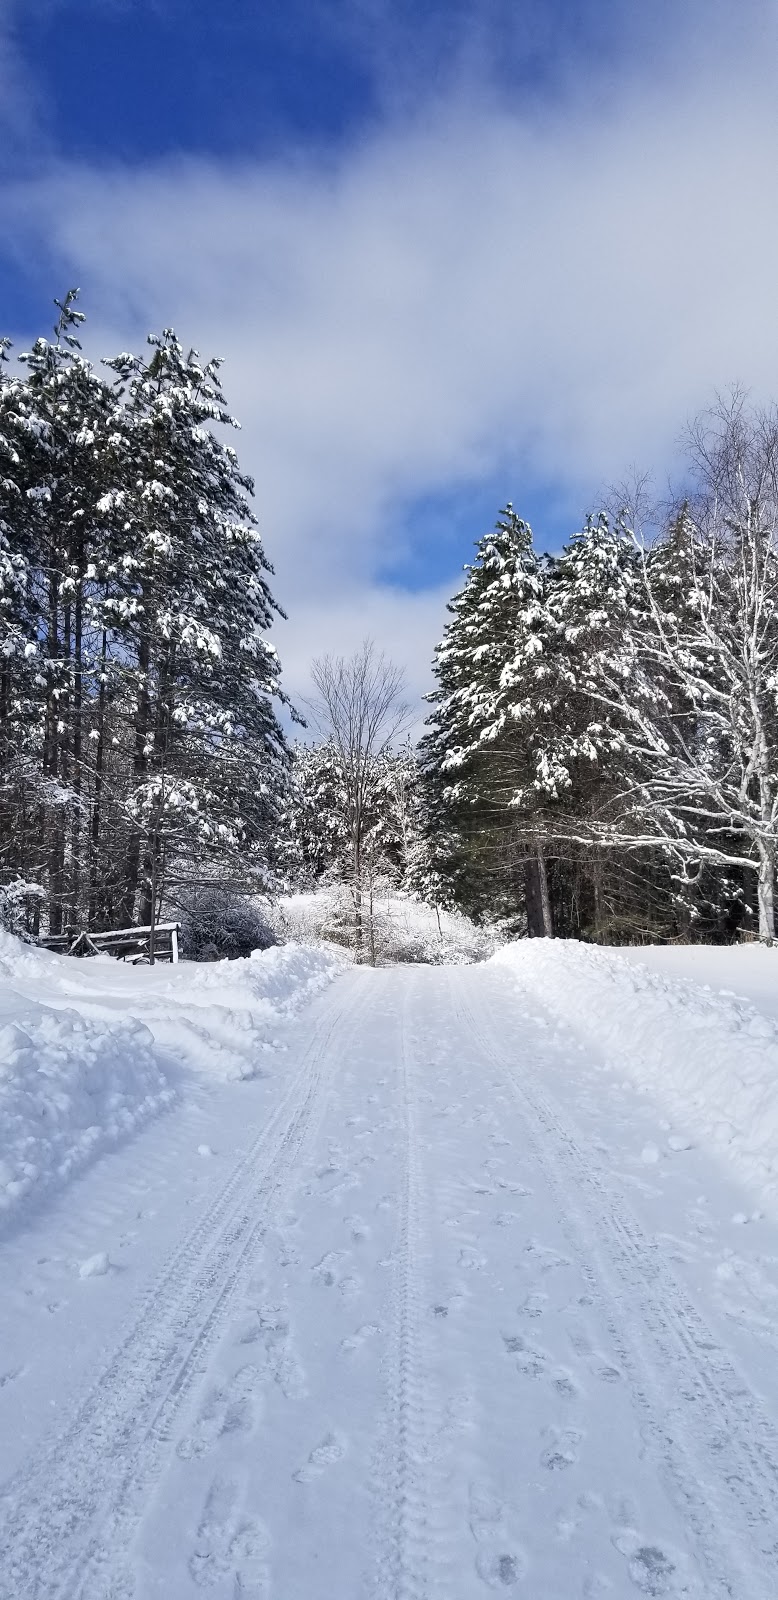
[(694, 684)]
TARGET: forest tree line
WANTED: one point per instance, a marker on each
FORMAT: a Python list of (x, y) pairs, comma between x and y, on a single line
[(599, 759), (140, 750), (603, 743)]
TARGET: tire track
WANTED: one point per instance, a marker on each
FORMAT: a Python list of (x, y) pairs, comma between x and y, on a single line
[(71, 1516), (403, 1478), (724, 1473)]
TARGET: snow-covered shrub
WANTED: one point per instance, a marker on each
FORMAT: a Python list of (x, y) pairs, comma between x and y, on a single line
[(15, 901), (397, 926), (217, 922)]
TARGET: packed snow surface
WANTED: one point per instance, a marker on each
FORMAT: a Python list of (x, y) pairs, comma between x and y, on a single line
[(90, 1050), (437, 1307), (709, 1056)]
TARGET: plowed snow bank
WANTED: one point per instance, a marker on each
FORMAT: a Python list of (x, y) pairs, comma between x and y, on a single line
[(712, 1059), (89, 1050)]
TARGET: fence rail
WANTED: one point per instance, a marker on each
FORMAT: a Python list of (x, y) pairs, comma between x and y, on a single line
[(126, 944)]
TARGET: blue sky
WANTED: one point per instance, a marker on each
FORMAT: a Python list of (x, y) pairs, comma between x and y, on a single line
[(453, 252), (141, 79)]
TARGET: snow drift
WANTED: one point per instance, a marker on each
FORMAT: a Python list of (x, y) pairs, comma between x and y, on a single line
[(710, 1058), (89, 1050), (69, 1088)]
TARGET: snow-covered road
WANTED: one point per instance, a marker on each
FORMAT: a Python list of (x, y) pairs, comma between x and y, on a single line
[(438, 1309)]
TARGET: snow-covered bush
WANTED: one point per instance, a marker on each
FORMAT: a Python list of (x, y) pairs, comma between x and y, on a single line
[(15, 900), (217, 922), (398, 928)]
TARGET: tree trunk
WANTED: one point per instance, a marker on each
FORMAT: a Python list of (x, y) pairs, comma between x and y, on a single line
[(539, 920), (97, 806), (766, 890), (77, 746), (359, 931), (372, 927), (545, 898), (132, 858)]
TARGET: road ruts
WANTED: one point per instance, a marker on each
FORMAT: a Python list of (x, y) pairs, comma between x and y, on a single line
[(408, 1479), (73, 1513), (705, 1428)]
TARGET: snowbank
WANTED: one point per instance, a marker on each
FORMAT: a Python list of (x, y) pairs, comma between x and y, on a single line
[(215, 1017), (712, 1059), (89, 1050), (68, 1089), (747, 971)]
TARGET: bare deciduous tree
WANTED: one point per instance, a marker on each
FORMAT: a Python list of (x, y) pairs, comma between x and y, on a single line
[(360, 706), (696, 686)]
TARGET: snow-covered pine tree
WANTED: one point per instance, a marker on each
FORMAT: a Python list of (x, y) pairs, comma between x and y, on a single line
[(137, 730), (18, 644), (57, 425), (208, 754), (314, 832), (478, 754)]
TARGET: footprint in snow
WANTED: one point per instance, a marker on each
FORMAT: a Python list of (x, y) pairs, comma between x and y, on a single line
[(650, 1568), (229, 1544), (11, 1375), (546, 1258), (268, 1327), (603, 1369), (359, 1229), (500, 1569), (529, 1359), (473, 1260), (325, 1454), (561, 1451), (533, 1305), (355, 1341), (326, 1270), (230, 1409), (564, 1384), (500, 1562)]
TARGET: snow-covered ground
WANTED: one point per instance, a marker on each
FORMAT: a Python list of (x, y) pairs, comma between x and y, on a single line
[(90, 1050), (436, 1304), (749, 970), (406, 929), (705, 1053)]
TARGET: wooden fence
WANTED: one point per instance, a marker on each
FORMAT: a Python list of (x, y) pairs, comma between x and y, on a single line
[(126, 944)]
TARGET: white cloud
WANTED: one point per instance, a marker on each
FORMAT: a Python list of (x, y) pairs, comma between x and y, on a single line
[(556, 291)]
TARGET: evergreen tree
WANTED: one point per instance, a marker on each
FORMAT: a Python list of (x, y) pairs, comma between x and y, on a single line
[(208, 753), (139, 741), (480, 751)]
